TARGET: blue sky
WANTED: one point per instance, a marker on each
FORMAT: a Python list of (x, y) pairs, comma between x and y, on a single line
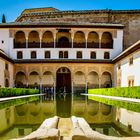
[(13, 8)]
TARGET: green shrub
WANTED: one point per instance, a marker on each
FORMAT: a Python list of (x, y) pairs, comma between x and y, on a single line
[(130, 92), (122, 104), (10, 92)]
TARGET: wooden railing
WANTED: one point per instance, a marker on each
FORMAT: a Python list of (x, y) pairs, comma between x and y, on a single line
[(47, 45), (33, 44), (92, 45), (79, 45), (19, 45)]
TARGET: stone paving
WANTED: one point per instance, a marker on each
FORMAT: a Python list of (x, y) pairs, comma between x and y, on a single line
[(65, 127)]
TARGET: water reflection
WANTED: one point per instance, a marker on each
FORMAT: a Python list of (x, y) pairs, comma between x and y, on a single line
[(20, 120)]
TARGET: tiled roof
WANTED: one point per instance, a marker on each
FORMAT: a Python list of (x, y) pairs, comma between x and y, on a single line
[(5, 56), (127, 52), (59, 23)]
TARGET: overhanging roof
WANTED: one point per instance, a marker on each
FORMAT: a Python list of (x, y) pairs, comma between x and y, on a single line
[(128, 51)]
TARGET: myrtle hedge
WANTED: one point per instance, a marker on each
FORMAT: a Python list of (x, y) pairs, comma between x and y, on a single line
[(10, 92), (130, 92)]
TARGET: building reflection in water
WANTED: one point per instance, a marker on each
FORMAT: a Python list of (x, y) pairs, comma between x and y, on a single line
[(27, 117)]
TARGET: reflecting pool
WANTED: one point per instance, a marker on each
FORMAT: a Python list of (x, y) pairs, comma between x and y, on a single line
[(20, 117)]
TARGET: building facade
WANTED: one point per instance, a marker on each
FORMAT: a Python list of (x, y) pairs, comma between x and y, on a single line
[(68, 50)]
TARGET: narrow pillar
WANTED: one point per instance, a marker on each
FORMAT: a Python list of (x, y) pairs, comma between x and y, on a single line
[(27, 39), (40, 42), (86, 88), (72, 37), (54, 37), (26, 42), (72, 87), (40, 86), (86, 37), (100, 82), (40, 38), (54, 89), (100, 40)]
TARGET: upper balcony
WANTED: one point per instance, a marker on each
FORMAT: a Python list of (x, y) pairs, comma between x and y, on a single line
[(63, 39)]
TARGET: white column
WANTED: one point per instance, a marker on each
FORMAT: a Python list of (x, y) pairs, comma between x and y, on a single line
[(40, 38), (27, 80), (54, 37), (72, 87), (72, 37), (54, 89), (26, 37), (86, 88), (86, 37), (99, 81), (40, 85), (100, 39), (26, 42)]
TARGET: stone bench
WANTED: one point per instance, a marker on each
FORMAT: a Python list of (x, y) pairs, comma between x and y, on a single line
[(47, 131)]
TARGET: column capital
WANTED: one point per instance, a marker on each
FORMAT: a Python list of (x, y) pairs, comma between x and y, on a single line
[(26, 35), (86, 34), (72, 34), (54, 33)]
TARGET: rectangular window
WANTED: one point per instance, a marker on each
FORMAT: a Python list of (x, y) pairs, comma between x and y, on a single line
[(63, 54), (47, 54), (6, 66), (19, 55), (131, 61), (79, 54), (119, 66), (106, 55), (33, 54), (93, 55)]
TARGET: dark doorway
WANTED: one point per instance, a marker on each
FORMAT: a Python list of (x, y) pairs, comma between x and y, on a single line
[(63, 83), (63, 42), (6, 83)]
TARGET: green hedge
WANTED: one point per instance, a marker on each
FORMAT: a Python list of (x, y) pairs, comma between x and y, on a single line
[(128, 105), (17, 102), (130, 92), (10, 92)]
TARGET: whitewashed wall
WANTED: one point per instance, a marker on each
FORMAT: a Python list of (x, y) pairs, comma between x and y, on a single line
[(129, 70), (130, 118), (117, 49)]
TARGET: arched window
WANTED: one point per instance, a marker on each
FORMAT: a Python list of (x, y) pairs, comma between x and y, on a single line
[(106, 55), (47, 40), (79, 54), (63, 42), (47, 54), (79, 40), (93, 40), (19, 55), (93, 55), (19, 40), (33, 54), (33, 40), (107, 41)]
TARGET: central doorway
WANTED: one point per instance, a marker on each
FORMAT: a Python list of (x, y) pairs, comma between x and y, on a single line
[(63, 80)]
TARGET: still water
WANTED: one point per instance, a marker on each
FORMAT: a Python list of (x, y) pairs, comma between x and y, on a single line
[(20, 117)]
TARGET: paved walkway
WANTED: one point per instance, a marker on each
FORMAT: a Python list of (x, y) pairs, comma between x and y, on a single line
[(65, 127), (17, 97), (115, 98)]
